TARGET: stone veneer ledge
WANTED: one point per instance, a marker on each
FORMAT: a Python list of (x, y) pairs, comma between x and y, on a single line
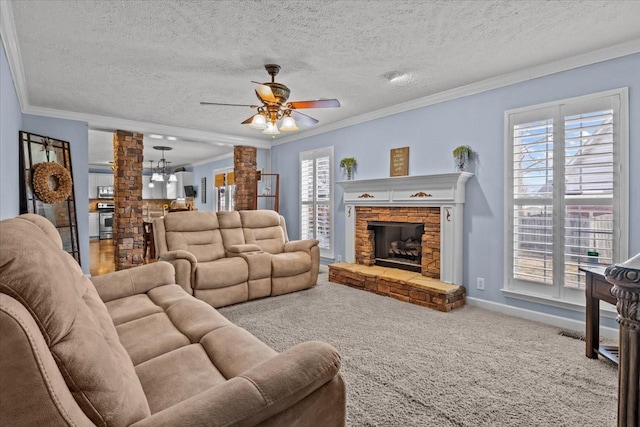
[(399, 284)]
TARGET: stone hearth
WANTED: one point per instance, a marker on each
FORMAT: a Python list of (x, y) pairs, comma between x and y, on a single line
[(399, 284)]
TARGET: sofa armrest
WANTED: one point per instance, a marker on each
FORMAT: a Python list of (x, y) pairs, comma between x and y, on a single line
[(235, 250), (132, 281), (185, 264), (179, 254), (300, 245), (259, 393)]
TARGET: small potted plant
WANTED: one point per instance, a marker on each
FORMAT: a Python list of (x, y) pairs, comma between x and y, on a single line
[(349, 164), (461, 156)]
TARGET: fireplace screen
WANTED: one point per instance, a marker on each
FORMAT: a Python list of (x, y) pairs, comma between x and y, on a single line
[(397, 244)]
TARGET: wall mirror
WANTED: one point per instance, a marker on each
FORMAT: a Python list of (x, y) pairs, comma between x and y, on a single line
[(46, 185)]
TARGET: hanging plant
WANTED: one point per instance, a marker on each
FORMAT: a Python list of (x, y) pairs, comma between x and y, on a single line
[(349, 164), (461, 156), (44, 174)]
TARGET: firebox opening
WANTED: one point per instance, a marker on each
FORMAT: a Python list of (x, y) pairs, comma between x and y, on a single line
[(398, 244)]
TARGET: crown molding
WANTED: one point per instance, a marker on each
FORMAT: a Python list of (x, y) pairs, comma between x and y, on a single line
[(12, 49), (577, 61), (110, 124)]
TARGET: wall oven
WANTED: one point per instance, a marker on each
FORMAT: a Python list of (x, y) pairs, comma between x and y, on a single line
[(105, 215)]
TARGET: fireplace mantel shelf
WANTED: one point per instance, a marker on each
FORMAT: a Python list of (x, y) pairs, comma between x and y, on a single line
[(424, 190)]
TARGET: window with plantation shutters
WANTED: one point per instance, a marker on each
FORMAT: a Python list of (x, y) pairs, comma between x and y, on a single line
[(316, 198), (566, 193)]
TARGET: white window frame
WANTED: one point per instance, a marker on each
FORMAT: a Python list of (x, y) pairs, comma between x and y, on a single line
[(558, 294), (312, 155)]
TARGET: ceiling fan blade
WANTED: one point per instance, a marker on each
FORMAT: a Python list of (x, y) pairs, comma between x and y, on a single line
[(303, 118), (264, 93), (229, 105), (318, 103), (249, 120)]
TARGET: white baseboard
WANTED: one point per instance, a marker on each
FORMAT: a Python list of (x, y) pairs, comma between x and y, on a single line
[(550, 319)]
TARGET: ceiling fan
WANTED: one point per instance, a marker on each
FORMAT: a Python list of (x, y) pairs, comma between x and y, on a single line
[(275, 107)]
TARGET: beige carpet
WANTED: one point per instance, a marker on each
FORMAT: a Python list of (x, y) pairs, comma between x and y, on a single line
[(406, 365)]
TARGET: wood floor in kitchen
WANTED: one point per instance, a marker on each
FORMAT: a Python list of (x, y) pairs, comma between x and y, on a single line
[(102, 256)]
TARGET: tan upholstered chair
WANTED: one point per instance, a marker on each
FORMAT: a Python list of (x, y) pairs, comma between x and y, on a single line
[(133, 348), (231, 257)]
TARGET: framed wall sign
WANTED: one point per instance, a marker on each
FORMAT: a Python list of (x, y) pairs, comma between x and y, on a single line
[(203, 190), (399, 161)]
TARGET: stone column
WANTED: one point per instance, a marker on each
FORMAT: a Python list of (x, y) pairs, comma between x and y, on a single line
[(626, 280), (127, 183), (245, 171)]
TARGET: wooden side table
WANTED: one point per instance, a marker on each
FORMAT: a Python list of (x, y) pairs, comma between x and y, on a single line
[(597, 288)]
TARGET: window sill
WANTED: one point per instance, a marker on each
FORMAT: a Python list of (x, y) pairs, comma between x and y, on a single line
[(606, 310)]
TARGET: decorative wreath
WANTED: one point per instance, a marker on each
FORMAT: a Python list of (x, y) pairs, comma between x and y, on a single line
[(42, 174)]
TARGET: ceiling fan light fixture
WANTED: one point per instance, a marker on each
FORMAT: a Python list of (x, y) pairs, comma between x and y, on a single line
[(288, 124), (271, 129), (258, 122)]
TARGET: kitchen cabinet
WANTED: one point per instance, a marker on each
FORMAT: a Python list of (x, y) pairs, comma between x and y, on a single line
[(93, 186), (184, 178), (170, 190), (99, 180), (146, 191), (94, 225), (105, 179)]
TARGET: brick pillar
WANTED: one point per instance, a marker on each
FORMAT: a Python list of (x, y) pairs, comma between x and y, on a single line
[(244, 165), (127, 183)]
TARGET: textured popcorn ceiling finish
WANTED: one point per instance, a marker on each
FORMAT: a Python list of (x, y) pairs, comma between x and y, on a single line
[(154, 61)]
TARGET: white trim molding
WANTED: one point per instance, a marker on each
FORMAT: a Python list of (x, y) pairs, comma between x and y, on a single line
[(12, 49), (549, 319)]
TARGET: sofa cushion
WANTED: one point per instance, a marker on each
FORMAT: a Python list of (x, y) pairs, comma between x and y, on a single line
[(195, 232), (150, 336), (290, 264), (124, 310), (231, 228), (262, 227), (177, 375), (221, 273), (81, 335)]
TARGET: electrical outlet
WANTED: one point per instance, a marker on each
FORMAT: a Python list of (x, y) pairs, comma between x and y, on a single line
[(480, 283), (338, 258)]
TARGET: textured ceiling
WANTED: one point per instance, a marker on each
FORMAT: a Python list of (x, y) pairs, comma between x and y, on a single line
[(154, 61)]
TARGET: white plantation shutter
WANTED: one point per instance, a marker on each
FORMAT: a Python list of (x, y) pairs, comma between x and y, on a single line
[(533, 200), (589, 202), (316, 198), (565, 194)]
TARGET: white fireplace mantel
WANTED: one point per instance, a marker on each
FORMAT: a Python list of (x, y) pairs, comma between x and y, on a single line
[(446, 191)]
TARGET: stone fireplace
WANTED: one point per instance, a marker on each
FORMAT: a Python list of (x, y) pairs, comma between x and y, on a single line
[(401, 237), (436, 201), (413, 225)]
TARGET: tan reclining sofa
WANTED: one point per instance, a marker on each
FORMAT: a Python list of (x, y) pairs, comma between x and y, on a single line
[(133, 348), (230, 257)]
